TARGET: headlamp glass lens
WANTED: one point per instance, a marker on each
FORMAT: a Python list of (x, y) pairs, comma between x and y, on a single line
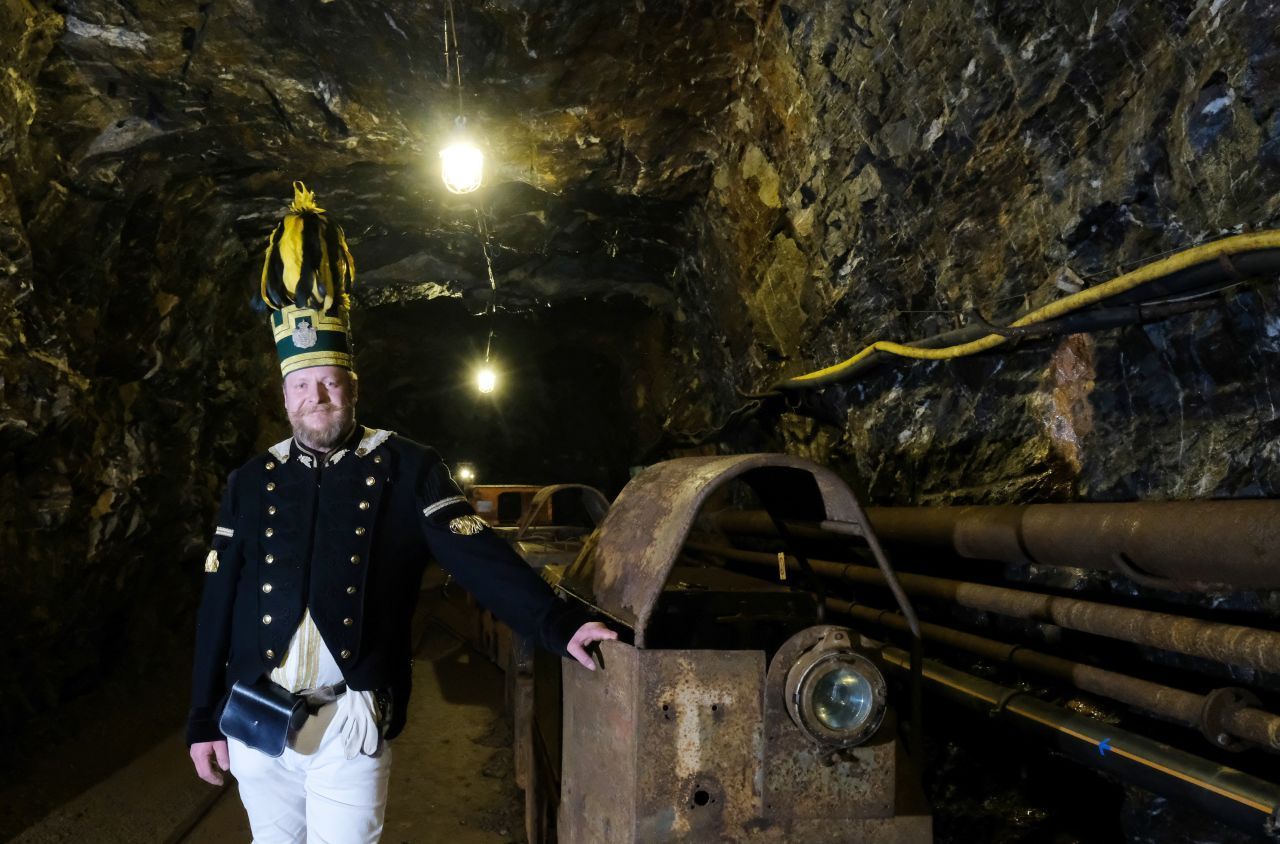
[(842, 698)]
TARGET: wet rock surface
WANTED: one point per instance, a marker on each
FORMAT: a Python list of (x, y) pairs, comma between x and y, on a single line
[(687, 202)]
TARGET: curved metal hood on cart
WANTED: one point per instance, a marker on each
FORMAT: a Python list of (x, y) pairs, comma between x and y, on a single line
[(624, 565)]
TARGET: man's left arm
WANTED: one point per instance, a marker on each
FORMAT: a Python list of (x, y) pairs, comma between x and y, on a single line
[(490, 569)]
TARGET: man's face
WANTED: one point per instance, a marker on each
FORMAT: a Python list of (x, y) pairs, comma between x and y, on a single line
[(320, 402)]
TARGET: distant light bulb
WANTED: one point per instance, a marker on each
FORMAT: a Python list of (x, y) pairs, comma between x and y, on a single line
[(466, 474), (486, 379), (462, 166)]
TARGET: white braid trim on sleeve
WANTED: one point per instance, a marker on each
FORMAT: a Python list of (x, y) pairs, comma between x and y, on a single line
[(442, 503)]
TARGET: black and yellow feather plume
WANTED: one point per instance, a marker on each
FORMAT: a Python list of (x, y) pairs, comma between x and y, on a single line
[(307, 263)]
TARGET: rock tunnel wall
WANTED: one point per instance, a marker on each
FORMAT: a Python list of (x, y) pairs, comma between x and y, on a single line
[(125, 389), (891, 167)]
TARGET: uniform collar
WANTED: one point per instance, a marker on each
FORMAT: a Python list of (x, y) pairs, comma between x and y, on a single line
[(313, 459)]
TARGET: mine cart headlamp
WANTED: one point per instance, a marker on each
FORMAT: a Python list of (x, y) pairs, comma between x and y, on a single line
[(834, 694)]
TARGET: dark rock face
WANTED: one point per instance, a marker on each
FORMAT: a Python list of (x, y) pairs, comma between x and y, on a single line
[(118, 352), (686, 201), (899, 165)]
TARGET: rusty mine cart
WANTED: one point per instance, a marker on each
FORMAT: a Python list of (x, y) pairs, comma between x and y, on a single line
[(726, 711)]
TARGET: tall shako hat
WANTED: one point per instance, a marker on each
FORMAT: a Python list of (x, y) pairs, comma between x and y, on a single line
[(305, 279)]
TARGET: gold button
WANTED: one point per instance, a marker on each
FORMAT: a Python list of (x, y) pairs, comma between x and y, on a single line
[(364, 505), (345, 654), (351, 590), (271, 464), (369, 481), (377, 458), (360, 531), (355, 559), (271, 654), (271, 511), (347, 622), (270, 558), (266, 587), (270, 532), (266, 619), (271, 485)]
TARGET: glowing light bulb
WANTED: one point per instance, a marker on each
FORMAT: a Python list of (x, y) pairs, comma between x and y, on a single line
[(486, 379), (462, 166), (465, 473)]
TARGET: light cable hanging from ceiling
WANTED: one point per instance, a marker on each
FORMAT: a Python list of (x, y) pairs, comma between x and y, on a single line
[(461, 161), (462, 169), (486, 376)]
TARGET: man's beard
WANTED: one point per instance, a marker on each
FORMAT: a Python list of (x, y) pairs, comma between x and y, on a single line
[(322, 426)]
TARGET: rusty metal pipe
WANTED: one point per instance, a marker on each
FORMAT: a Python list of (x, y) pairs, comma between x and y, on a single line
[(758, 523), (1255, 725), (1245, 801), (1229, 643), (1163, 544)]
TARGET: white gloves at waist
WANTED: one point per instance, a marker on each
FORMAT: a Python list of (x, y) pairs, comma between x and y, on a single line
[(357, 718)]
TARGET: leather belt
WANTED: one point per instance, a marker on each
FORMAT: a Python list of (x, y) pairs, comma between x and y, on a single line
[(323, 696)]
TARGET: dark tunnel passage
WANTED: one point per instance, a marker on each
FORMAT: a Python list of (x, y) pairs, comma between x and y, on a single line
[(979, 265), (565, 406)]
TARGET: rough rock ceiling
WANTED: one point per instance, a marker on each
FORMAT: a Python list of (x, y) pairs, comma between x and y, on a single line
[(595, 154)]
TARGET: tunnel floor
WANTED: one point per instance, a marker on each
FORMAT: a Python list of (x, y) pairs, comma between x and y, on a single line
[(452, 778)]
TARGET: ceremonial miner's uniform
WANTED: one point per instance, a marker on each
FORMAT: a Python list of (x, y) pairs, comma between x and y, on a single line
[(348, 540), (315, 570)]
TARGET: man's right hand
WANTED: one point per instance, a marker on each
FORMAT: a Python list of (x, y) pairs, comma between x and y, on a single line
[(203, 754)]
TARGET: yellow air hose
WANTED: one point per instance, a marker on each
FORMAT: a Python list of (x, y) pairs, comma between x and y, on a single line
[(1185, 259)]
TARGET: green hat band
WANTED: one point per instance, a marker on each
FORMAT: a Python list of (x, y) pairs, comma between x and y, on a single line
[(307, 337)]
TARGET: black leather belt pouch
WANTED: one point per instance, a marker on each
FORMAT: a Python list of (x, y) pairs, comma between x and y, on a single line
[(263, 715)]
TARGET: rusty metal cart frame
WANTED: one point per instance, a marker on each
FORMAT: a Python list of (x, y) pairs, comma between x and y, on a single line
[(696, 745)]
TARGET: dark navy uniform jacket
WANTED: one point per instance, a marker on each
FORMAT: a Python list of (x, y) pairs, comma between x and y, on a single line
[(349, 539)]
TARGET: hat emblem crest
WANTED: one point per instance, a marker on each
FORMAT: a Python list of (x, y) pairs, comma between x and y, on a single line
[(304, 334)]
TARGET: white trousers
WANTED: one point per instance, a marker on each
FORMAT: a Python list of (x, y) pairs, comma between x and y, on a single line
[(313, 794)]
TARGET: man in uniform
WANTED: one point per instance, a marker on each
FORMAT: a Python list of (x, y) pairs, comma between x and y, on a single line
[(315, 568)]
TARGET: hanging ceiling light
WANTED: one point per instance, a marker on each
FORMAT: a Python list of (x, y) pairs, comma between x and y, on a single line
[(486, 379), (461, 161)]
